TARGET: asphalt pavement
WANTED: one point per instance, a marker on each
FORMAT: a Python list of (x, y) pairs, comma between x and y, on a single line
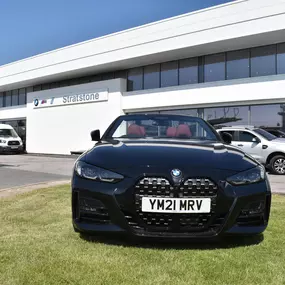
[(21, 170)]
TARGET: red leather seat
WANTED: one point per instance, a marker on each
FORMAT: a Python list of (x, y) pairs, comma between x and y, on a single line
[(135, 130), (171, 132), (183, 131), (143, 130)]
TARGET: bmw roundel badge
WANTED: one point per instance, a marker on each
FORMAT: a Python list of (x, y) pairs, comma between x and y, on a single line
[(36, 102), (176, 172)]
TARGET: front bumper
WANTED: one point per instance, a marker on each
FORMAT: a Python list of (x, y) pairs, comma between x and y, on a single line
[(110, 208), (8, 148)]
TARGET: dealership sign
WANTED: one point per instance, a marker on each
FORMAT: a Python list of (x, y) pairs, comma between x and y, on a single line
[(71, 99)]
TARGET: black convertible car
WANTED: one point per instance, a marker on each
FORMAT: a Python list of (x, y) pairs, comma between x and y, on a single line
[(168, 176)]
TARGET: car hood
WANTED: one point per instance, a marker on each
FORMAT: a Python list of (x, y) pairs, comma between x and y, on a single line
[(172, 153), (278, 141)]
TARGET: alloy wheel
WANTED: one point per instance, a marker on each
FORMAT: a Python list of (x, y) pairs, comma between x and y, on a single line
[(279, 165)]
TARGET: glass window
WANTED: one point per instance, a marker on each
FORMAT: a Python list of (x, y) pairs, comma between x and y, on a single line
[(13, 124), (54, 85), (169, 74), (265, 134), (46, 86), (1, 99), (188, 71), (108, 76), (135, 79), (15, 97), (8, 132), (64, 83), (238, 64), (8, 98), (201, 69), (268, 116), (151, 76), (228, 132), (75, 81), (184, 112), (94, 78), (84, 80), (276, 133), (245, 136), (161, 127), (214, 68), (22, 96), (263, 61), (29, 89), (227, 116), (37, 88), (281, 58), (121, 74)]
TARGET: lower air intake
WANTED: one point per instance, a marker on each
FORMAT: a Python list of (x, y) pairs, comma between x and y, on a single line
[(92, 210)]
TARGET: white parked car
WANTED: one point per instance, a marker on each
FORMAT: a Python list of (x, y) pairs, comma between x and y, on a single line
[(9, 140), (263, 146)]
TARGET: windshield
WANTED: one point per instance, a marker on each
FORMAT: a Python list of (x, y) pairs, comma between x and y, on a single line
[(8, 133), (161, 127), (265, 134)]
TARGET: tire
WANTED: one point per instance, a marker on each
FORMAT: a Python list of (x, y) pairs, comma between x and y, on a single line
[(277, 165)]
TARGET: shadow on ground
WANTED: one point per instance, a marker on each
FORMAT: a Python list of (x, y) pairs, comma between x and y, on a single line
[(224, 243)]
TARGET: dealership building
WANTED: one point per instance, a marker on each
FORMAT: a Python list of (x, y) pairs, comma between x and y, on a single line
[(225, 64)]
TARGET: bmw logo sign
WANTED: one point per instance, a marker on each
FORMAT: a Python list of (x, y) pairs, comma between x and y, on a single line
[(36, 102), (176, 172)]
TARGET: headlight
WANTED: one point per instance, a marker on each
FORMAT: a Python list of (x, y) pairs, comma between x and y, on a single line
[(2, 141), (250, 176), (96, 173)]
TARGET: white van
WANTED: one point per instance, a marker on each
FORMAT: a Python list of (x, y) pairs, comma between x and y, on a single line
[(9, 140)]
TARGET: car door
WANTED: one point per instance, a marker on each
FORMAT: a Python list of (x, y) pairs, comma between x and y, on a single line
[(249, 143), (234, 135), (229, 132)]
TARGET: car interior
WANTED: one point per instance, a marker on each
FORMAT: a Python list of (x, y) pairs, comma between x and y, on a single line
[(181, 131)]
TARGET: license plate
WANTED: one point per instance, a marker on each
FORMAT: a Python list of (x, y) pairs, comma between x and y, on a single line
[(14, 147), (176, 205)]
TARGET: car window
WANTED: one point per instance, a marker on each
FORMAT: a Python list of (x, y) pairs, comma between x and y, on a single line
[(8, 133), (265, 134), (229, 132), (161, 127), (245, 136)]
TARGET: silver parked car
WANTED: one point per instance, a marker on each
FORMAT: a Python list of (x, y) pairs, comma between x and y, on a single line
[(263, 146)]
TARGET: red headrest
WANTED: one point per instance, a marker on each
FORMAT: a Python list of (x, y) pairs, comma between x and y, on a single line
[(135, 130), (171, 132), (183, 131)]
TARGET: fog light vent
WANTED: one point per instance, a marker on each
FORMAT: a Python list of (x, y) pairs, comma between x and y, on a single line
[(254, 208), (90, 205), (93, 210), (252, 214)]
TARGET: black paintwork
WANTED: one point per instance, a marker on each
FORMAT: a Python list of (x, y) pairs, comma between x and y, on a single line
[(135, 159), (134, 153)]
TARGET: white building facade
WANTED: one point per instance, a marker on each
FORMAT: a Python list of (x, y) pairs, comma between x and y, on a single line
[(225, 64)]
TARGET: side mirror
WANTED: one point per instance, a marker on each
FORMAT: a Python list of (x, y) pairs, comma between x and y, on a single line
[(227, 138), (95, 135), (256, 140)]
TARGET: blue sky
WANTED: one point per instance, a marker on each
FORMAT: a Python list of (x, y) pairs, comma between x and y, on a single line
[(30, 27)]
